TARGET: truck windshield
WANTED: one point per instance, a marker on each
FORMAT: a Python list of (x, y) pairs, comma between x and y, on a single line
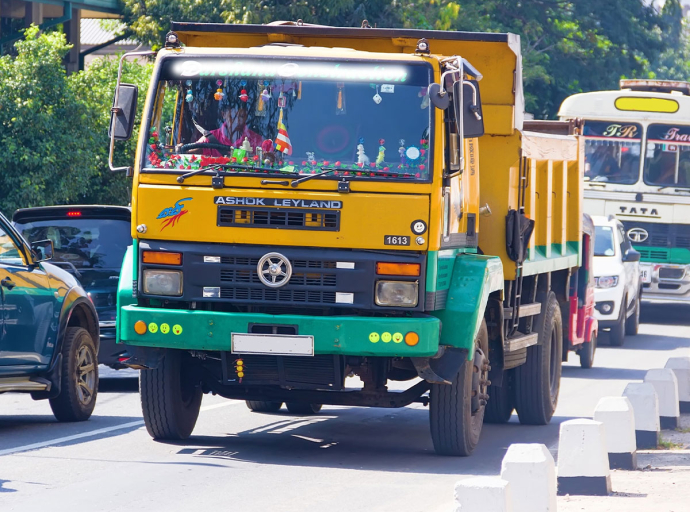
[(603, 241), (612, 151), (370, 120), (667, 161)]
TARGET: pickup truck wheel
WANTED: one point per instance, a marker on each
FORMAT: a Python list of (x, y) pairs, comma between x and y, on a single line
[(587, 352), (617, 332), (79, 380), (170, 398), (455, 426), (632, 324), (262, 406), (302, 408), (538, 380), (501, 403)]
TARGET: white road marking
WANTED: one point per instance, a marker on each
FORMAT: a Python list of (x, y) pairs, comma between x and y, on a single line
[(92, 433)]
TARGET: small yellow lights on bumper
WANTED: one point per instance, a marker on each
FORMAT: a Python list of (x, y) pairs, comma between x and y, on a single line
[(411, 338), (140, 327)]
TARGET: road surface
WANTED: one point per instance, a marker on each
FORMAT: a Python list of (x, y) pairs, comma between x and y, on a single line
[(343, 459)]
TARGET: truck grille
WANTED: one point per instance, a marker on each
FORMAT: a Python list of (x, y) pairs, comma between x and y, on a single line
[(671, 273), (317, 372), (278, 218), (661, 236)]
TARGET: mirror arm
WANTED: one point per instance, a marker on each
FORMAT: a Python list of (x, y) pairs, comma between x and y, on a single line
[(116, 110)]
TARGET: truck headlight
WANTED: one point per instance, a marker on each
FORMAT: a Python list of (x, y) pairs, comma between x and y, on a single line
[(606, 281), (163, 282), (402, 294)]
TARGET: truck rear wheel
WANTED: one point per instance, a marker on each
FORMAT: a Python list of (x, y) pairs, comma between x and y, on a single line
[(456, 411), (302, 408), (170, 398), (538, 380), (262, 406), (501, 403)]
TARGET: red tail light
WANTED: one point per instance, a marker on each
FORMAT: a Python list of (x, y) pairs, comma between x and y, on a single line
[(74, 213)]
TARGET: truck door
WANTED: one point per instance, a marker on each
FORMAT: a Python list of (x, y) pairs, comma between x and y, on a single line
[(27, 306)]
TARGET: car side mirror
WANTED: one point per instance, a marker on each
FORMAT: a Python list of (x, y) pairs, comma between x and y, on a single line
[(631, 255), (122, 115), (43, 250)]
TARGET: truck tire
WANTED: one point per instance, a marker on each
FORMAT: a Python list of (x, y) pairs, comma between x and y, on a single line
[(632, 324), (79, 379), (263, 406), (501, 403), (617, 332), (538, 380), (170, 399), (587, 352), (455, 429), (302, 408)]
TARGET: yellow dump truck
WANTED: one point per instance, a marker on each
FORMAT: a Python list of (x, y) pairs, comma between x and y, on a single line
[(314, 203)]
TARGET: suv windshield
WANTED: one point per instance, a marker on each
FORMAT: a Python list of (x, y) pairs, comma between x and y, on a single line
[(367, 120), (612, 151), (603, 241), (85, 243)]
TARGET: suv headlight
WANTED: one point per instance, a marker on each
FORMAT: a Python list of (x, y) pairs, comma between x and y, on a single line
[(163, 282), (402, 294), (606, 281)]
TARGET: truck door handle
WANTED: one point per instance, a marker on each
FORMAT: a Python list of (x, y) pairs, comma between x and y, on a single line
[(7, 283)]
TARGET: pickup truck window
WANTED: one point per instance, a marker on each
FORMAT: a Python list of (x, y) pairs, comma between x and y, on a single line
[(370, 119)]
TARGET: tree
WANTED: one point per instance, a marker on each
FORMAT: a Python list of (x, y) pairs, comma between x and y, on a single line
[(44, 131)]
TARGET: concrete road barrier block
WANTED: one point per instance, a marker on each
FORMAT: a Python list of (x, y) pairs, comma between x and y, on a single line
[(681, 368), (483, 494), (616, 413), (666, 387), (583, 463), (531, 473), (645, 404)]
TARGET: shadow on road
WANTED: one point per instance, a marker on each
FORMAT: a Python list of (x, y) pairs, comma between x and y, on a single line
[(601, 372), (118, 385), (665, 314), (348, 438), (5, 489)]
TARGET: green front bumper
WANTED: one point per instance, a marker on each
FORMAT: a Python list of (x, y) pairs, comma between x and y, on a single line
[(348, 335)]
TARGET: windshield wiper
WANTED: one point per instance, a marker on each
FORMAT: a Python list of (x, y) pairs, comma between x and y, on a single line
[(233, 167), (328, 170), (325, 170), (675, 190)]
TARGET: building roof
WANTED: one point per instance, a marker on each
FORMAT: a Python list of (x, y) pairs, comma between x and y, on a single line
[(93, 32)]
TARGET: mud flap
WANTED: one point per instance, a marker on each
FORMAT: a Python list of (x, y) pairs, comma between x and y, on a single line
[(440, 370)]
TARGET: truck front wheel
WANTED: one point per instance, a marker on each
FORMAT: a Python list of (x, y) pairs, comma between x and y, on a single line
[(456, 412), (170, 398), (538, 380)]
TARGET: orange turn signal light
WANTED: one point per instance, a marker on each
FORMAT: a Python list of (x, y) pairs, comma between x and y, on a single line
[(398, 269), (162, 258), (412, 338), (140, 327)]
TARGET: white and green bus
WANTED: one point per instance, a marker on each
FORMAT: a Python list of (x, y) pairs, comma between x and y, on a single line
[(637, 150)]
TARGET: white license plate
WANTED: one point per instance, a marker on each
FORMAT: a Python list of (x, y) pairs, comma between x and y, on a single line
[(646, 274), (272, 344)]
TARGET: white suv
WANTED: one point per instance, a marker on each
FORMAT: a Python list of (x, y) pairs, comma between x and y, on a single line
[(617, 279)]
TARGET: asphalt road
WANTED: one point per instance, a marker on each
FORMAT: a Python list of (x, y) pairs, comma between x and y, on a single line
[(342, 459)]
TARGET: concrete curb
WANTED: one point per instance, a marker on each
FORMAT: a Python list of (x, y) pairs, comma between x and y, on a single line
[(681, 369), (583, 466), (616, 413), (531, 473), (483, 494), (645, 405), (666, 387)]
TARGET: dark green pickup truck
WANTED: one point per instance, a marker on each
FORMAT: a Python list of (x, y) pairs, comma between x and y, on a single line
[(48, 329)]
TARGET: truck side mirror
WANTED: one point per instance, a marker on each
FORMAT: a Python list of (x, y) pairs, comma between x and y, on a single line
[(123, 114), (43, 250), (473, 119), (438, 97)]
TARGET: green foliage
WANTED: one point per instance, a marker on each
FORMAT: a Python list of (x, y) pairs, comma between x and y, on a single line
[(44, 131), (54, 128), (94, 87)]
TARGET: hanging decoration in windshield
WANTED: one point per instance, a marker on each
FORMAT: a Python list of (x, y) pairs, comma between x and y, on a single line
[(297, 117), (612, 130)]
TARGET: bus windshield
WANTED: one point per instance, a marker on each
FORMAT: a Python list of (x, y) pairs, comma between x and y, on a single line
[(667, 158), (612, 151), (364, 120)]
